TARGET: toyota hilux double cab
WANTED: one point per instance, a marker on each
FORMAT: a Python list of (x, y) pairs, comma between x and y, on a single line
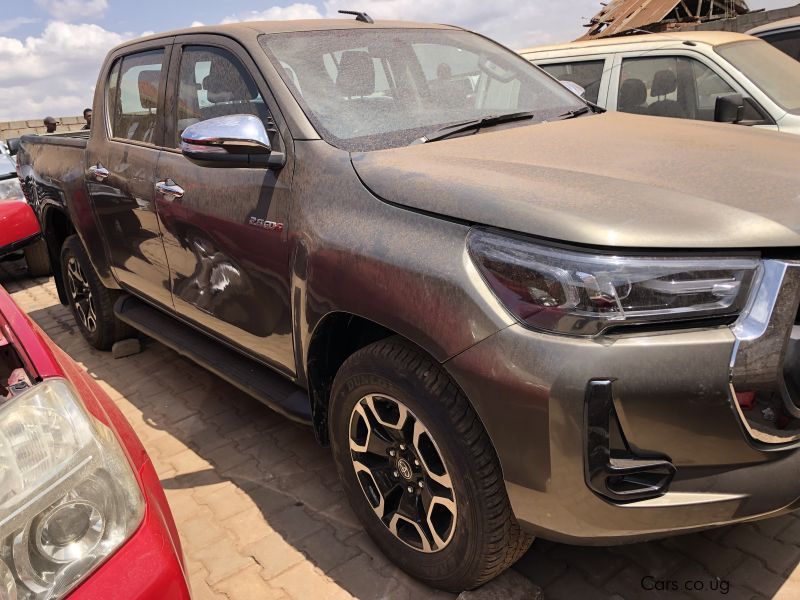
[(507, 313)]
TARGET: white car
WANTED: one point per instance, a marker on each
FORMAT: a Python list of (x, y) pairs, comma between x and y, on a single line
[(690, 75)]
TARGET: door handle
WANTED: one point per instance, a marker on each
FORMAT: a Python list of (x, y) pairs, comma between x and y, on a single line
[(169, 189), (99, 172)]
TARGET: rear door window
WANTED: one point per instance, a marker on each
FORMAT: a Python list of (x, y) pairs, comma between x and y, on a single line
[(586, 73), (138, 83)]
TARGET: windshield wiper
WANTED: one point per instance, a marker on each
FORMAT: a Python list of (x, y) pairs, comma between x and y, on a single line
[(476, 124), (578, 112)]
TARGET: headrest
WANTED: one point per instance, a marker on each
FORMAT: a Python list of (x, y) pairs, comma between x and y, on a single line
[(356, 74), (148, 88), (633, 93), (225, 83), (664, 83)]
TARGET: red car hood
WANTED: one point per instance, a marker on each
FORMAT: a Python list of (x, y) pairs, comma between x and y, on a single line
[(17, 223)]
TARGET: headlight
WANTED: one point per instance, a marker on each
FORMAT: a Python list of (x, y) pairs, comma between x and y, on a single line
[(68, 496), (579, 293)]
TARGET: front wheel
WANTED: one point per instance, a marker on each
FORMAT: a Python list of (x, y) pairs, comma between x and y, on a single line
[(419, 469), (91, 303)]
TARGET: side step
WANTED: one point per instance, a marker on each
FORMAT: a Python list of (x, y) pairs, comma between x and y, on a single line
[(254, 379)]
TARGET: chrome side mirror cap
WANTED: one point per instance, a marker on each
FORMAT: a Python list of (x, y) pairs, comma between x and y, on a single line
[(573, 87), (231, 140)]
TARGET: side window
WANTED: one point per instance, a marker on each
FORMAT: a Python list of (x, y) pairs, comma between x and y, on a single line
[(587, 73), (710, 86), (670, 86), (788, 42), (135, 114), (111, 91), (214, 83)]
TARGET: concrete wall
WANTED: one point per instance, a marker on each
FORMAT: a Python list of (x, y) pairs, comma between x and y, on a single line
[(13, 129), (746, 22)]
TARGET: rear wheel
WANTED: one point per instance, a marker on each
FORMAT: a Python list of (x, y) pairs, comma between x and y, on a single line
[(92, 304), (38, 259), (419, 469)]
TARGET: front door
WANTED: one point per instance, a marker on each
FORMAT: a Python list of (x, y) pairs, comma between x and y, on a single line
[(224, 228), (121, 173)]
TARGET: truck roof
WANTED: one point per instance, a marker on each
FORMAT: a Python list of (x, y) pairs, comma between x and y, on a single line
[(712, 38), (253, 28)]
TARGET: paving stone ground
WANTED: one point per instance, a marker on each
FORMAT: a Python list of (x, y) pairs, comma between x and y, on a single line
[(261, 513)]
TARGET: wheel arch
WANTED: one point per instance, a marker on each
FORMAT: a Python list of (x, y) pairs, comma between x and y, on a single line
[(337, 336), (57, 227)]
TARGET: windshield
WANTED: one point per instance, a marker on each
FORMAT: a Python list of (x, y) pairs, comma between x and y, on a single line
[(775, 73), (382, 88)]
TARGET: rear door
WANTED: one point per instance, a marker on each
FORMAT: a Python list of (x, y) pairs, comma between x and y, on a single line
[(121, 158), (224, 233)]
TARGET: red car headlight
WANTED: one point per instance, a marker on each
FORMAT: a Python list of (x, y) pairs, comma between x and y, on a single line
[(68, 496)]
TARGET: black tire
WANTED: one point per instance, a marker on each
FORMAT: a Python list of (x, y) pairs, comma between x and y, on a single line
[(38, 259), (91, 303), (486, 538)]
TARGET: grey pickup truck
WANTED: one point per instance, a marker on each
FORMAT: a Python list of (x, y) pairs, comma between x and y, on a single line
[(507, 314)]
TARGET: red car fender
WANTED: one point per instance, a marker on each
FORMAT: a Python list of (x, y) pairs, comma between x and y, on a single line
[(17, 223)]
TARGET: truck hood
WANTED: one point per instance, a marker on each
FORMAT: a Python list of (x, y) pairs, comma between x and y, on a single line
[(606, 180)]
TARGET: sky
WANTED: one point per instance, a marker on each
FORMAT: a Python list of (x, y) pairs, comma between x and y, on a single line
[(51, 50)]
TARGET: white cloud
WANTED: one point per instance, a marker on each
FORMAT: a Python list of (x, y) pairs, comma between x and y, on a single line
[(12, 24), (277, 13), (54, 73), (75, 10)]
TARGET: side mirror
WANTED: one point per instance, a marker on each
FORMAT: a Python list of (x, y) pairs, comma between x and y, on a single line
[(573, 87), (729, 109), (230, 141), (13, 146)]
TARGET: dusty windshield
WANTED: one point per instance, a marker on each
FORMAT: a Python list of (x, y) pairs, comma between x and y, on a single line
[(775, 73), (366, 90)]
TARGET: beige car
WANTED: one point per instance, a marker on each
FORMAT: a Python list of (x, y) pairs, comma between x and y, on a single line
[(690, 75)]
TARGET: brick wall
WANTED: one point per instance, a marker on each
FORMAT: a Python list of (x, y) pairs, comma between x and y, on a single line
[(747, 22), (13, 129)]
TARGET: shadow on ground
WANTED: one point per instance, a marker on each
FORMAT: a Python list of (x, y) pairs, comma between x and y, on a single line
[(293, 483)]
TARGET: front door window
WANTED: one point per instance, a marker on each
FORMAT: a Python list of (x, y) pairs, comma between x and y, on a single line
[(670, 86)]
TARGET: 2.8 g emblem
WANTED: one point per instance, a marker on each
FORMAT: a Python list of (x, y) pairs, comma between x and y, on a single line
[(264, 224)]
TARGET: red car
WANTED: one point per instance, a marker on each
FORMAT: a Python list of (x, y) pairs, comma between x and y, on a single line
[(19, 228), (82, 511)]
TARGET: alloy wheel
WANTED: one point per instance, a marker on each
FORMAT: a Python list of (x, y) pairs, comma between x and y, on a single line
[(81, 295), (402, 473)]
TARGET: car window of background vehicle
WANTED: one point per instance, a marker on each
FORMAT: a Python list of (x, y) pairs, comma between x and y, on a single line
[(772, 71), (670, 86), (586, 73), (788, 42)]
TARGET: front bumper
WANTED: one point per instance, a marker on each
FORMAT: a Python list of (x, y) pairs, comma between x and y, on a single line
[(673, 398)]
